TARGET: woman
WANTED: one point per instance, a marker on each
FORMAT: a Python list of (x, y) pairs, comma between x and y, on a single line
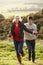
[(18, 37)]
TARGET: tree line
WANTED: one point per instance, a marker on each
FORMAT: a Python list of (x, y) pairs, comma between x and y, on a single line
[(5, 24)]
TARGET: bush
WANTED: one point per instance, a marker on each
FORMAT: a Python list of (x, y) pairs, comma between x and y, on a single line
[(40, 36), (1, 17), (41, 30)]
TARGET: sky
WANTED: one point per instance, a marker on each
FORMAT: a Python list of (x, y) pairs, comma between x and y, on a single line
[(5, 3), (12, 5), (19, 2)]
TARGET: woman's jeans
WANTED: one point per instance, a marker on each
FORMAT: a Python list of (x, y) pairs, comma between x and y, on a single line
[(18, 47), (31, 49)]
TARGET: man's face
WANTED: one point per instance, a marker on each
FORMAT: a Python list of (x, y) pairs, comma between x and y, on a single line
[(30, 21)]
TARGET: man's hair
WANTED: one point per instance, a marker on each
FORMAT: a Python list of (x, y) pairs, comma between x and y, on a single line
[(30, 18)]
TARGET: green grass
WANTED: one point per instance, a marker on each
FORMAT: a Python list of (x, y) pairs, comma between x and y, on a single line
[(8, 54)]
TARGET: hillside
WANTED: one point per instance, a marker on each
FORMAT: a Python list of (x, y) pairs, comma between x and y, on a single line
[(5, 24), (8, 55)]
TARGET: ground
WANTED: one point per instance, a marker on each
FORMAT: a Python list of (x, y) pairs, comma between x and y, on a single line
[(8, 54)]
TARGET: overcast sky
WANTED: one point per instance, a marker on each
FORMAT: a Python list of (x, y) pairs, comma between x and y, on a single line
[(19, 2), (32, 4)]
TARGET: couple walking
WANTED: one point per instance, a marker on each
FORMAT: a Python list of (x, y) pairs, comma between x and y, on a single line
[(18, 31)]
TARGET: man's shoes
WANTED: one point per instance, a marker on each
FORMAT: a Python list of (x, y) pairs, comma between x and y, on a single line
[(29, 59), (33, 61)]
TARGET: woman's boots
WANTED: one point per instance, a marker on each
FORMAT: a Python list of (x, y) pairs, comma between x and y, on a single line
[(22, 53), (19, 59)]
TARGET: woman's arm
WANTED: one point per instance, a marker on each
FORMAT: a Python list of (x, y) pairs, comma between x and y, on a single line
[(12, 30), (27, 30)]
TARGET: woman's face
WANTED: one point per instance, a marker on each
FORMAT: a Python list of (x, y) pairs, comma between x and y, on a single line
[(17, 19)]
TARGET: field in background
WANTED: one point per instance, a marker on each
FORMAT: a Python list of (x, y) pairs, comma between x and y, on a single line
[(19, 13), (8, 54)]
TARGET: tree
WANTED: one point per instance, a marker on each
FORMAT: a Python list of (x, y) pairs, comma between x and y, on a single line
[(42, 11), (1, 17)]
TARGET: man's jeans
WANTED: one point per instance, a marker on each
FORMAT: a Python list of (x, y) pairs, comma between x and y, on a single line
[(31, 49), (18, 47)]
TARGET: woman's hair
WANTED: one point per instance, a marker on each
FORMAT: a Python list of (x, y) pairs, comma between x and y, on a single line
[(15, 18)]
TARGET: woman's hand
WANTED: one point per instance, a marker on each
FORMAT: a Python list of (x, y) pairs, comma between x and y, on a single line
[(9, 34), (35, 33)]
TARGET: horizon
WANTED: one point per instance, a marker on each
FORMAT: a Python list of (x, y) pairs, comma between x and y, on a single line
[(16, 6)]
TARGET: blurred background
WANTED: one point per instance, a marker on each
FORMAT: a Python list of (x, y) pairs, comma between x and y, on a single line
[(10, 8), (23, 8)]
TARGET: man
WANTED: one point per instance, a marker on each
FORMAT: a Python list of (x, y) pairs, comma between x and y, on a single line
[(30, 38), (18, 37)]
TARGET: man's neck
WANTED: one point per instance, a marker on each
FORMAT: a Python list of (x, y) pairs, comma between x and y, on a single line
[(29, 23)]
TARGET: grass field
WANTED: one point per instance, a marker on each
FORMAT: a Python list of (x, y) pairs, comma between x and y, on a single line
[(8, 54)]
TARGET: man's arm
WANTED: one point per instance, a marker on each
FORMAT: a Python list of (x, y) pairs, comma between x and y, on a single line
[(35, 30)]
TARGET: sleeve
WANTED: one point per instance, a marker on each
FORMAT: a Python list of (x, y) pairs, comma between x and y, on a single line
[(35, 28), (26, 29), (12, 30)]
